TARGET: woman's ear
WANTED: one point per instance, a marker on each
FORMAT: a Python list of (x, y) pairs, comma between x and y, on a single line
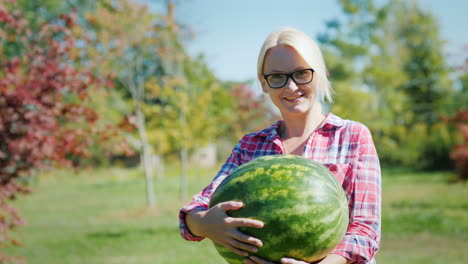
[(263, 83)]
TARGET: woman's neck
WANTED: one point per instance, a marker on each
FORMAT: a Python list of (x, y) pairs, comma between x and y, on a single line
[(303, 125)]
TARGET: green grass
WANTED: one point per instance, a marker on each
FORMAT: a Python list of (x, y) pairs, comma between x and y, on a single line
[(99, 217), (425, 218)]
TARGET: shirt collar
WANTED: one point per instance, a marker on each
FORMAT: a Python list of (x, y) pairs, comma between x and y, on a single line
[(331, 121)]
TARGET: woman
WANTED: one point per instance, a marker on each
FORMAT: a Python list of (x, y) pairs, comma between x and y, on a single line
[(292, 72)]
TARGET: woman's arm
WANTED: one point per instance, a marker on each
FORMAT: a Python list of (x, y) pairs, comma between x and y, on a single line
[(363, 190)]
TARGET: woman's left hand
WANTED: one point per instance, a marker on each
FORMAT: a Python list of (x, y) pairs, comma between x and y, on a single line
[(330, 259), (257, 260), (292, 261)]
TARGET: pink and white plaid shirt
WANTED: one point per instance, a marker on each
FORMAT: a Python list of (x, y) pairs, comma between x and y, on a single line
[(347, 149)]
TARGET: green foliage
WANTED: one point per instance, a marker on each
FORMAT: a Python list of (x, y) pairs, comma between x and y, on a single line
[(188, 110), (40, 12), (428, 84), (461, 97), (388, 71), (182, 102)]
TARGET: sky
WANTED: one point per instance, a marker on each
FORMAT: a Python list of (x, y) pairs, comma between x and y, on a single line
[(230, 32)]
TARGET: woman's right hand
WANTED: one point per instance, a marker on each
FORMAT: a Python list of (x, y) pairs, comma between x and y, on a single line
[(216, 225)]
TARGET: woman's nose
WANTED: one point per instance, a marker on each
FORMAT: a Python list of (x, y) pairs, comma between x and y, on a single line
[(291, 85)]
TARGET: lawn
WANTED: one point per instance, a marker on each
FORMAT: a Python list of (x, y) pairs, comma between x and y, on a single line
[(99, 217)]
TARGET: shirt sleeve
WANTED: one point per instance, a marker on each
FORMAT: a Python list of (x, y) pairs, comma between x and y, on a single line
[(362, 237), (201, 200)]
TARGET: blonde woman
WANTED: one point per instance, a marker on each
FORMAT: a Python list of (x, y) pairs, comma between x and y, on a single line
[(291, 70)]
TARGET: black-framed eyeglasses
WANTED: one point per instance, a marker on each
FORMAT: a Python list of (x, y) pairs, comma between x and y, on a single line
[(279, 80)]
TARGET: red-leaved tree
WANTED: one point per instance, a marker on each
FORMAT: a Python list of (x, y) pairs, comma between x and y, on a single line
[(44, 117), (460, 151), (460, 119), (252, 111)]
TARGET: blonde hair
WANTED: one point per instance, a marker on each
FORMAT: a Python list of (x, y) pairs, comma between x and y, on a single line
[(307, 48)]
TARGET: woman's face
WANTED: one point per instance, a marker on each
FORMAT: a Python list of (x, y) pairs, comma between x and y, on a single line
[(292, 98)]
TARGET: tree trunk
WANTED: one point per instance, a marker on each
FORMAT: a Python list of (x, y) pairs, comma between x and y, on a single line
[(146, 157), (159, 164)]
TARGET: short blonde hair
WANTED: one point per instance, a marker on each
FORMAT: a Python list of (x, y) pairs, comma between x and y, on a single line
[(307, 48)]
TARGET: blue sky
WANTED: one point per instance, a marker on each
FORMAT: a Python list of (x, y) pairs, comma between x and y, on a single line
[(230, 33)]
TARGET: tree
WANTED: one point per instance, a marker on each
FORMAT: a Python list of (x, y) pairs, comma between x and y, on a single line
[(252, 112), (428, 90), (461, 71), (347, 47), (388, 57), (143, 51), (428, 85), (125, 36), (44, 117), (192, 111), (460, 151), (40, 12), (178, 103)]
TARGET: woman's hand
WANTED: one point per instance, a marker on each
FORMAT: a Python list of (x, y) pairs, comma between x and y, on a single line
[(330, 259), (216, 225), (293, 261), (257, 260)]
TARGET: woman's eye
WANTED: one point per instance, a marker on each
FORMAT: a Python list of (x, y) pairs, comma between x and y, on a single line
[(300, 73), (276, 77)]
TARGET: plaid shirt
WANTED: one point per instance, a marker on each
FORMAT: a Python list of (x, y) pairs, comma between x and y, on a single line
[(347, 149)]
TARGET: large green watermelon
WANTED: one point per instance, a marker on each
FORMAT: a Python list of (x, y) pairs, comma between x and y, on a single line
[(302, 205)]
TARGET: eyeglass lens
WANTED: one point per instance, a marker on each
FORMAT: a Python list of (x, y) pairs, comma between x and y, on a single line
[(278, 80)]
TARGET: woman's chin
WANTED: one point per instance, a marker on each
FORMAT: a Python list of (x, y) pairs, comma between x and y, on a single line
[(294, 110)]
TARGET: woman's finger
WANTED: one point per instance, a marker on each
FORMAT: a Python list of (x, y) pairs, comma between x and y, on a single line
[(230, 205), (244, 222), (243, 246), (236, 250), (249, 261), (291, 261), (246, 238), (258, 260)]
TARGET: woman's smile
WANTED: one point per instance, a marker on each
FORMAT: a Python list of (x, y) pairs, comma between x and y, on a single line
[(293, 98)]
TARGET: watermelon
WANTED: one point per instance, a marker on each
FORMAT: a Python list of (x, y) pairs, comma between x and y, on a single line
[(301, 203)]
